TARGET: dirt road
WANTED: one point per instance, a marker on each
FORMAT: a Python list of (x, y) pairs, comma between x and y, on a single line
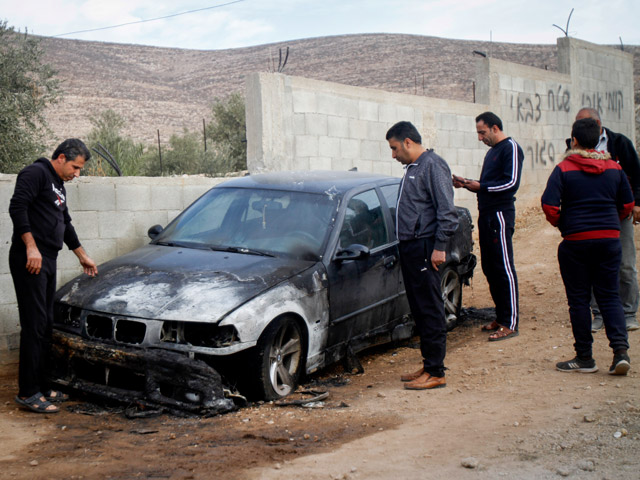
[(506, 412)]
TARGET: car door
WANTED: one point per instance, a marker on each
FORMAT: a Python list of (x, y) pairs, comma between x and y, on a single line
[(363, 293)]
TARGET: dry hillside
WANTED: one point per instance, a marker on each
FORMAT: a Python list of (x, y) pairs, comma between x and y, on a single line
[(171, 89)]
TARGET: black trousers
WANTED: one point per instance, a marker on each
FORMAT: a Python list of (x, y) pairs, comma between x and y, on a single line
[(422, 284), (495, 231), (587, 265), (35, 306)]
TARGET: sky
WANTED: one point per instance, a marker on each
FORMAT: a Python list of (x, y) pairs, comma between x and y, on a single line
[(223, 24)]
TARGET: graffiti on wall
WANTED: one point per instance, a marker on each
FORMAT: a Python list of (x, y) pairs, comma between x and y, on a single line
[(611, 102), (530, 107), (543, 153)]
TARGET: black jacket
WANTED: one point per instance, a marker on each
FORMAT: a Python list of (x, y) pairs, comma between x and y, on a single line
[(39, 206), (500, 177), (425, 203), (622, 151)]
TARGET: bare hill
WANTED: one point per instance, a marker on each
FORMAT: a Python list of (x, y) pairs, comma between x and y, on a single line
[(171, 89)]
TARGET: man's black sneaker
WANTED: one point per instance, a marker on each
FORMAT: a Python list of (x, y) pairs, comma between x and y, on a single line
[(578, 365), (621, 364)]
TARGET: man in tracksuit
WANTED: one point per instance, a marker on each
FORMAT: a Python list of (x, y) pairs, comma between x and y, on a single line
[(426, 219), (499, 181), (41, 223), (587, 195), (623, 152)]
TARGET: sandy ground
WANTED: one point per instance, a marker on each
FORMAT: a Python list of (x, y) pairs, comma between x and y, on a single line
[(506, 411)]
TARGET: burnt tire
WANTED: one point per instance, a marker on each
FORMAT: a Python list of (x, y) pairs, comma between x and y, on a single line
[(451, 288), (279, 359)]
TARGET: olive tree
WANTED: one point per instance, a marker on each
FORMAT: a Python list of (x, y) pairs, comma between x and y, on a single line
[(27, 87)]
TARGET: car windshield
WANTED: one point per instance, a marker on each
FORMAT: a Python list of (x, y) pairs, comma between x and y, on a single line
[(254, 221)]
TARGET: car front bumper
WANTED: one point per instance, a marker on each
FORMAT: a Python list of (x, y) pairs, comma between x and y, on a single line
[(153, 378)]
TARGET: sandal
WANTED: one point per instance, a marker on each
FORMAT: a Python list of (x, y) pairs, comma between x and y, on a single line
[(502, 334), (37, 403), (56, 396), (490, 327)]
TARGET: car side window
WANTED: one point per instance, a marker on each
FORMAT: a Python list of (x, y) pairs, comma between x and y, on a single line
[(390, 194), (364, 222)]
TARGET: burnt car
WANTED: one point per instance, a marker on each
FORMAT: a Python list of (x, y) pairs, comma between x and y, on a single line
[(260, 281)]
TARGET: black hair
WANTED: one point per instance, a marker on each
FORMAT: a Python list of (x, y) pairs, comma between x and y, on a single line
[(72, 148), (586, 131), (490, 119), (402, 130)]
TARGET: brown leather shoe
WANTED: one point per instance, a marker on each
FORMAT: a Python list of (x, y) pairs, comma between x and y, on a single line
[(409, 377), (426, 382)]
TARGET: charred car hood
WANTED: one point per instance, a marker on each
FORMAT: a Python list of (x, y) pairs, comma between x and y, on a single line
[(170, 283)]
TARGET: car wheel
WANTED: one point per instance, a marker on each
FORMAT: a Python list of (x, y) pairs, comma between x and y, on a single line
[(280, 357), (451, 288)]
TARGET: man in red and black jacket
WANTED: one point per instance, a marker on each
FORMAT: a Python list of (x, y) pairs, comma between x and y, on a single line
[(622, 151), (587, 195)]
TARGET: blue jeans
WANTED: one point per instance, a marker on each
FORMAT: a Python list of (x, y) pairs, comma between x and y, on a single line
[(588, 265)]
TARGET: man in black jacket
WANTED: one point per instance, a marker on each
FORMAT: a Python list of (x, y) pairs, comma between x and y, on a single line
[(499, 181), (426, 219), (622, 151), (41, 224)]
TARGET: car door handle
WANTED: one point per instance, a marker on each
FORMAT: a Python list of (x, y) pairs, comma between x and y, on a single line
[(389, 262)]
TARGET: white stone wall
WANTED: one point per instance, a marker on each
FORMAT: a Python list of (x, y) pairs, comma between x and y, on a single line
[(297, 123), (111, 216)]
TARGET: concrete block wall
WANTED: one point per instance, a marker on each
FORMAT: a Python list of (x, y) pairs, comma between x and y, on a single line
[(111, 216), (297, 123)]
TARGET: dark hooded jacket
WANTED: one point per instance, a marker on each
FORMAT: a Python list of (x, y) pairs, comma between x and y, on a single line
[(586, 196), (39, 206)]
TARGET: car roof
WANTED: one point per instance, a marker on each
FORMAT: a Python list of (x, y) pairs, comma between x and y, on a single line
[(315, 181)]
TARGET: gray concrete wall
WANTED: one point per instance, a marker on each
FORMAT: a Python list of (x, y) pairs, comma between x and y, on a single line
[(298, 123), (111, 216)]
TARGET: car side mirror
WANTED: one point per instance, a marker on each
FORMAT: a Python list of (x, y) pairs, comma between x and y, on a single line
[(154, 231), (352, 252)]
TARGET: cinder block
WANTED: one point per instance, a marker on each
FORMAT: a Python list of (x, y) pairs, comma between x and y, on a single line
[(7, 291), (349, 148), (363, 165), (115, 224), (96, 197), (342, 164), (126, 245), (377, 131), (86, 225), (407, 113), (337, 127), (389, 114), (504, 81), (306, 146), (304, 101), (144, 220), (382, 167), (166, 197), (330, 105), (358, 129), (132, 197), (299, 124), (372, 150), (320, 163), (329, 147), (368, 111), (9, 319), (315, 124), (465, 157)]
